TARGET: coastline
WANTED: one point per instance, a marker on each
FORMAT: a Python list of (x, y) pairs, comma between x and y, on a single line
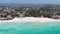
[(26, 19)]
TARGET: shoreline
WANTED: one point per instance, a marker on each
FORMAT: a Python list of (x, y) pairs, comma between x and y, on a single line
[(25, 19)]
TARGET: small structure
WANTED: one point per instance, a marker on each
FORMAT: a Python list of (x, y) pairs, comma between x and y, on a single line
[(8, 10), (9, 17)]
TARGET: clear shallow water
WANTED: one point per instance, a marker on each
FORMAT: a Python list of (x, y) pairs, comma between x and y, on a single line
[(30, 28)]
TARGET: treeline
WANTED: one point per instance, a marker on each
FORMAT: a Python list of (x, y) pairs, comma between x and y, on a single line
[(36, 12), (30, 12)]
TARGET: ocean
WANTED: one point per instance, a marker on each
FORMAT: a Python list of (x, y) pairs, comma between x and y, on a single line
[(30, 27)]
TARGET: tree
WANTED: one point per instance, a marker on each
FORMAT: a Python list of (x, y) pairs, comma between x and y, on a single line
[(46, 15), (34, 13)]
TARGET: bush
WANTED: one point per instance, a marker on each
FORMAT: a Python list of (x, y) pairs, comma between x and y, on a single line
[(46, 15)]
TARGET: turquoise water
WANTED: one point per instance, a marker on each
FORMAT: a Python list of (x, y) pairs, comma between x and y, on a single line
[(30, 28)]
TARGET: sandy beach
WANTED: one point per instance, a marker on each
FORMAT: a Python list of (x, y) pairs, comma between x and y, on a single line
[(25, 19)]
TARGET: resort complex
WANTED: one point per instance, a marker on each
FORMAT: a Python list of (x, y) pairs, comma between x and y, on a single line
[(45, 10)]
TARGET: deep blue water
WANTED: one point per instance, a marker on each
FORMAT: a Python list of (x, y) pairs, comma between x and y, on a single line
[(30, 28)]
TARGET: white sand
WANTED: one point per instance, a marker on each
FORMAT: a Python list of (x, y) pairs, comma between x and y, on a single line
[(42, 19)]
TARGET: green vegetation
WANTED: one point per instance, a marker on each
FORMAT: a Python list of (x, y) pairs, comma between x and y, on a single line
[(46, 15), (35, 12)]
